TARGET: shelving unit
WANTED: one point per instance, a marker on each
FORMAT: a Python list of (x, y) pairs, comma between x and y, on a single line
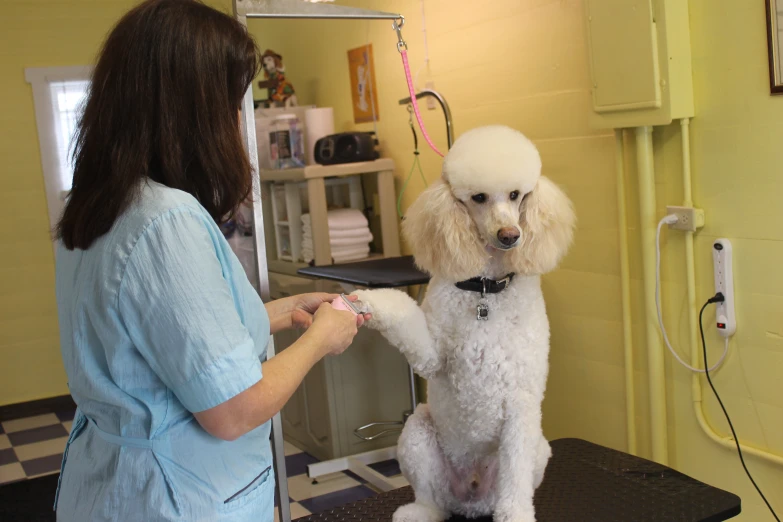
[(285, 187), (287, 210)]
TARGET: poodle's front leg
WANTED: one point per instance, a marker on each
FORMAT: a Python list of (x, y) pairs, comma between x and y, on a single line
[(400, 320), (519, 462)]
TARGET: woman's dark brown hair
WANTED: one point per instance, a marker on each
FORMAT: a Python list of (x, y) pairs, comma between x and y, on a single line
[(163, 106)]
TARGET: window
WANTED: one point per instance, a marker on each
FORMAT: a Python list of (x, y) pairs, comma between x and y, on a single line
[(58, 93), (67, 99)]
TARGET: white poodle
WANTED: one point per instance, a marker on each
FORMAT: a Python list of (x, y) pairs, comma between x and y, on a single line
[(491, 226)]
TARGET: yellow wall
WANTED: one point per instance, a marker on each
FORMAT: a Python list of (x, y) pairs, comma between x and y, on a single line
[(35, 33), (738, 181), (523, 63)]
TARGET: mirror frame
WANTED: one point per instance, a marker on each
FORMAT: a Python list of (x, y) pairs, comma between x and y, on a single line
[(775, 88)]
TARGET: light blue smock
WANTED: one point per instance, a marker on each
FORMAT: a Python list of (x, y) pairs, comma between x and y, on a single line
[(158, 320)]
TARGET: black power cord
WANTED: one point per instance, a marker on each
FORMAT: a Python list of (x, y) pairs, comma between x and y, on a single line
[(719, 298)]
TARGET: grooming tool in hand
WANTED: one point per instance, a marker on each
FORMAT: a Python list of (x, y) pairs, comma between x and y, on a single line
[(343, 303)]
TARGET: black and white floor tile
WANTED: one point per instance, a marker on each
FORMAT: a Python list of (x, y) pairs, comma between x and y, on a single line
[(33, 446)]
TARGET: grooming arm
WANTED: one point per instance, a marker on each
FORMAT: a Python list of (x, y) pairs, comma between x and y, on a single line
[(400, 320)]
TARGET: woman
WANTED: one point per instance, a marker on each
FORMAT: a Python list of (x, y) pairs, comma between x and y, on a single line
[(163, 337)]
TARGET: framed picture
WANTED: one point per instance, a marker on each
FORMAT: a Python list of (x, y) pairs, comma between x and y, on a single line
[(775, 43), (363, 92)]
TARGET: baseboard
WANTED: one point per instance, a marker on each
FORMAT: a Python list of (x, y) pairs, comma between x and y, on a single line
[(39, 407)]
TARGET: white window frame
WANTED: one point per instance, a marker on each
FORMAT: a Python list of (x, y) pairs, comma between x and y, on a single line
[(41, 78)]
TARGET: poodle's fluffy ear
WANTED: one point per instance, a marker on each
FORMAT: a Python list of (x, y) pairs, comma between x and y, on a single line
[(443, 237), (547, 224)]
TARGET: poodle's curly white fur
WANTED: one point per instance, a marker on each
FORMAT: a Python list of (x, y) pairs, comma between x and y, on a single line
[(477, 447)]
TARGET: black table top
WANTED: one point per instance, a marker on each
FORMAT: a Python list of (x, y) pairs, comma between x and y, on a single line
[(585, 482), (388, 272)]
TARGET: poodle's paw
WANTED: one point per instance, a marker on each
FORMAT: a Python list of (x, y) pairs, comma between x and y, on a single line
[(388, 307), (514, 518), (417, 512), (542, 458), (514, 515), (364, 304)]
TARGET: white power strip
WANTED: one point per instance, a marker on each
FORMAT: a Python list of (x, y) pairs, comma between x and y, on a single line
[(724, 283), (671, 219)]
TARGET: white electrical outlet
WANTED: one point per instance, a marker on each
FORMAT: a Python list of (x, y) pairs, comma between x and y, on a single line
[(688, 218), (430, 100), (724, 283)]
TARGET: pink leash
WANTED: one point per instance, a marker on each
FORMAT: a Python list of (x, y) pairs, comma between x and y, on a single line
[(403, 48)]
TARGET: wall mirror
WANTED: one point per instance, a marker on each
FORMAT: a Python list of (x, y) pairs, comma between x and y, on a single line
[(775, 44)]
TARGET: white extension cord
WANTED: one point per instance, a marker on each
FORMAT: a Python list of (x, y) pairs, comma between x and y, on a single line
[(670, 220)]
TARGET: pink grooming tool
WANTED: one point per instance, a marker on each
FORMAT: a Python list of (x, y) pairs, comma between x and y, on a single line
[(343, 303)]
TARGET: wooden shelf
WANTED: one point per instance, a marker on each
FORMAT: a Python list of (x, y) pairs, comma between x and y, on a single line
[(328, 171), (287, 206)]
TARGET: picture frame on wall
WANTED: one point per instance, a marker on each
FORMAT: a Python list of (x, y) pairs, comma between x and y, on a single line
[(774, 12), (364, 95)]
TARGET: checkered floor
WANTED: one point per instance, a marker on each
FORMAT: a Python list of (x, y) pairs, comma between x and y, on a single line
[(33, 447)]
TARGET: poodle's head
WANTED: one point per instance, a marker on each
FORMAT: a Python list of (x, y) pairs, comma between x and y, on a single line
[(492, 201)]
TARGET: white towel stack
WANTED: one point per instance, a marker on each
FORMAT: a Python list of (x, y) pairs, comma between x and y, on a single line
[(349, 235)]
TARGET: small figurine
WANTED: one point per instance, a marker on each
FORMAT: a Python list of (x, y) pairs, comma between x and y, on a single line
[(281, 92)]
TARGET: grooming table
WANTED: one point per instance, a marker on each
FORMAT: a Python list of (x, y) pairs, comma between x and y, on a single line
[(585, 482), (389, 272)]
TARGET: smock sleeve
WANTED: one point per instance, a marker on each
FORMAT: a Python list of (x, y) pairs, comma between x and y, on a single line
[(181, 315)]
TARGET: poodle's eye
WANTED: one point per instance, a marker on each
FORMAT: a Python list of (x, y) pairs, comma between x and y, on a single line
[(514, 195), (479, 198)]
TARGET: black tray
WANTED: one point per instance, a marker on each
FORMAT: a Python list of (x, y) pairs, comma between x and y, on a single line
[(389, 272)]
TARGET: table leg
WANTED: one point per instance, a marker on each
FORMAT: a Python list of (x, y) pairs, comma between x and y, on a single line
[(359, 464)]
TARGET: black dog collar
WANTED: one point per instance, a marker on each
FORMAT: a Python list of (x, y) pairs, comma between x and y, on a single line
[(482, 285)]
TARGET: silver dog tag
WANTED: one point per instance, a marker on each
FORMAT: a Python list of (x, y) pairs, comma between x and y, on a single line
[(482, 311)]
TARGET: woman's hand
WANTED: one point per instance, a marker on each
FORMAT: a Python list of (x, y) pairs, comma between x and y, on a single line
[(305, 306), (297, 311), (333, 330)]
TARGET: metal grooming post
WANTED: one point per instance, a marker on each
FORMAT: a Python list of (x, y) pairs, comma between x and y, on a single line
[(244, 9), (443, 105)]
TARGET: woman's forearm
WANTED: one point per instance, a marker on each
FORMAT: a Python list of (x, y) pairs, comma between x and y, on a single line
[(281, 377)]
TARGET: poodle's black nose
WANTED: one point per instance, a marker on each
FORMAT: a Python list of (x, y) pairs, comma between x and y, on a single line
[(508, 236)]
